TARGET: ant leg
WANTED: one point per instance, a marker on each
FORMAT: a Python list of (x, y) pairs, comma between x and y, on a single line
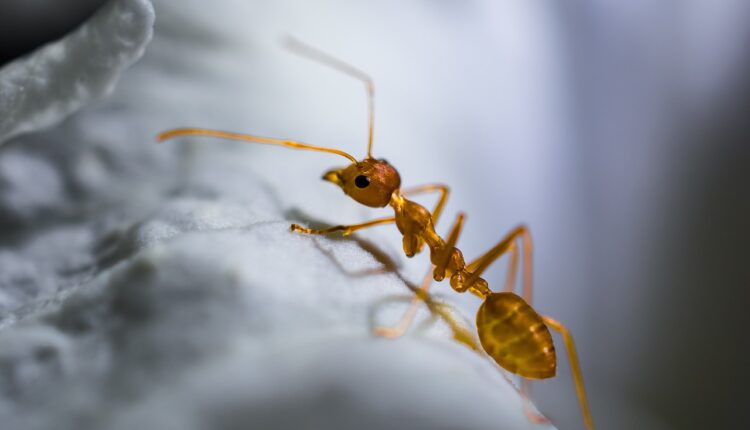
[(510, 277), (428, 188), (345, 229), (422, 293), (575, 368), (461, 333), (483, 262), (510, 244), (531, 413), (438, 209), (349, 229), (400, 328)]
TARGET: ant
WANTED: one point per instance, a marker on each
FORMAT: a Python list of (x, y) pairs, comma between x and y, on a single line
[(510, 330)]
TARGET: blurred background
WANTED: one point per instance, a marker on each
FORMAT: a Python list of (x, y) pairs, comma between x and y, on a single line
[(618, 131)]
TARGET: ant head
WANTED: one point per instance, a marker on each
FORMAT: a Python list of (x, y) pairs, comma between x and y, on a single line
[(370, 181)]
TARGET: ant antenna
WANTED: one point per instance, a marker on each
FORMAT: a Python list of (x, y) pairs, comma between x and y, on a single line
[(169, 134), (314, 54)]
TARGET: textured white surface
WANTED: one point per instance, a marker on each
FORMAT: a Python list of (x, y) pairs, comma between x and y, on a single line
[(158, 286), (46, 86)]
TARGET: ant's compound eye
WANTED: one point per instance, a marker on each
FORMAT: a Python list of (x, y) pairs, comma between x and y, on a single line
[(361, 181)]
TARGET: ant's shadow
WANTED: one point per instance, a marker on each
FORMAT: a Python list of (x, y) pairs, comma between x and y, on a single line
[(388, 265)]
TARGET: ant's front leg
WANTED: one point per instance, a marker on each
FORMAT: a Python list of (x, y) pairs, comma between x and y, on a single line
[(345, 229)]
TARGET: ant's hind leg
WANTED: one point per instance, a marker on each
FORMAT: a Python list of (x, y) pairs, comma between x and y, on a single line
[(345, 229), (575, 368)]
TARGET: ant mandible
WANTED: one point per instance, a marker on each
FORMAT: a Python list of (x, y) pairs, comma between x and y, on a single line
[(510, 330)]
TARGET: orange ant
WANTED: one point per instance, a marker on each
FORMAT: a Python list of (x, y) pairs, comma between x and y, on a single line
[(510, 330)]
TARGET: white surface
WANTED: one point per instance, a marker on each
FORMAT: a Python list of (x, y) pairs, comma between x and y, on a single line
[(158, 286), (60, 78)]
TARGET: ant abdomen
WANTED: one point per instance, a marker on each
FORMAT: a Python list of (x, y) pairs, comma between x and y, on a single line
[(515, 336)]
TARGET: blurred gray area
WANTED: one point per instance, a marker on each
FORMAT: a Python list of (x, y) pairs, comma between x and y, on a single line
[(27, 24), (664, 139), (654, 281)]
